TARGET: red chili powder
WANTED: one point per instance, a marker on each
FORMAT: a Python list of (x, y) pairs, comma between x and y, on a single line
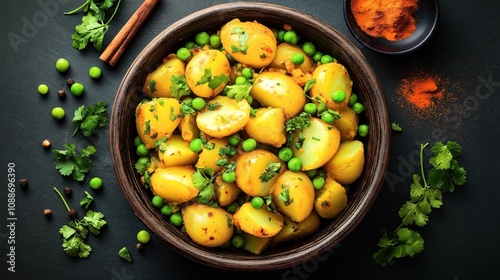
[(421, 92)]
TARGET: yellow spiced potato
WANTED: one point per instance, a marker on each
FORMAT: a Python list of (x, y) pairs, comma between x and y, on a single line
[(255, 174), (254, 244), (207, 226), (320, 143), (207, 73), (293, 194), (258, 222), (188, 128), (330, 200), (268, 126), (292, 230), (174, 184), (210, 154), (176, 152), (226, 192), (249, 42), (347, 124), (284, 54), (159, 81), (347, 164), (157, 119), (274, 89), (331, 77)]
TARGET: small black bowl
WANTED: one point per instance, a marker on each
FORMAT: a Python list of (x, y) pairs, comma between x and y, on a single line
[(427, 19)]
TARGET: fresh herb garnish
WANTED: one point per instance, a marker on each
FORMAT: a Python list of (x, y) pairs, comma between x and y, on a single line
[(309, 84), (94, 24), (213, 81), (285, 195), (425, 194), (124, 253), (89, 119), (70, 162), (242, 40), (238, 92), (297, 123), (272, 169), (179, 87), (396, 127), (152, 85), (203, 181), (85, 202), (213, 106)]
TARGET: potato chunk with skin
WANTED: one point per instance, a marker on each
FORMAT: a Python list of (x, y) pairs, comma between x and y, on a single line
[(268, 126), (226, 192), (210, 154), (250, 42), (207, 73), (188, 128), (176, 152), (250, 167), (329, 78), (159, 81), (157, 119), (330, 200), (347, 163), (174, 184), (206, 225), (254, 244), (347, 124), (284, 53), (258, 222), (223, 116), (320, 143), (293, 194), (293, 230)]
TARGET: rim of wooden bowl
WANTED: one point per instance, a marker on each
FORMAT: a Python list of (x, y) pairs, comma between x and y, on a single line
[(362, 195)]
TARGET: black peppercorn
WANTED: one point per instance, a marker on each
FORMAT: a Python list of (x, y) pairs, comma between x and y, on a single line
[(70, 81), (72, 213), (67, 191), (139, 246), (23, 183), (47, 212), (61, 93)]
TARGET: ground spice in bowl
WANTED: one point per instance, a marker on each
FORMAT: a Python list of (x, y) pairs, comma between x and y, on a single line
[(392, 20)]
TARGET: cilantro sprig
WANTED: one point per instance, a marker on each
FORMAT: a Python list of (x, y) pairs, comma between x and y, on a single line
[(70, 162), (203, 180), (89, 119), (297, 123), (213, 81), (94, 24), (425, 195)]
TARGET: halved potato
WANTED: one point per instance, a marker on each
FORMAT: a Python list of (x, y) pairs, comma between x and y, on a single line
[(207, 226), (330, 200), (207, 73), (174, 184), (226, 192), (329, 78), (284, 53), (293, 194), (347, 124), (159, 81), (347, 163), (156, 119), (268, 126), (258, 222), (188, 129), (292, 230), (176, 152)]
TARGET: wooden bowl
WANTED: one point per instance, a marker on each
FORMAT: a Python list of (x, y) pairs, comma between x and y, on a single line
[(362, 193)]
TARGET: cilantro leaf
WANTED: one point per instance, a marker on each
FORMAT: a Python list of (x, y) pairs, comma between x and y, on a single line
[(85, 202), (94, 221), (272, 169), (179, 86), (69, 162), (203, 181), (297, 123), (124, 253), (285, 195), (404, 242), (309, 84), (213, 81), (89, 119), (238, 92), (75, 246), (67, 231), (396, 127)]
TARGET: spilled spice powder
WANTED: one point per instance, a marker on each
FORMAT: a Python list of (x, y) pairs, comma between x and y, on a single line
[(393, 20), (421, 92)]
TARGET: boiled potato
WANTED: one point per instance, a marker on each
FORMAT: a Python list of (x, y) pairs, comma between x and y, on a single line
[(274, 89), (226, 192), (284, 53), (207, 73), (176, 152), (292, 230), (206, 225), (330, 200), (347, 163), (331, 77), (157, 119), (250, 167), (347, 124), (210, 154), (258, 222), (320, 143), (223, 116), (159, 81), (250, 43), (293, 194), (188, 129), (254, 244), (174, 184), (268, 126)]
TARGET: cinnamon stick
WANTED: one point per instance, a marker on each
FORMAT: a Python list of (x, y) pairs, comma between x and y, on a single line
[(117, 46)]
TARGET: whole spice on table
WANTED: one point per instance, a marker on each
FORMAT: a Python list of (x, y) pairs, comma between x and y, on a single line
[(392, 20), (421, 91)]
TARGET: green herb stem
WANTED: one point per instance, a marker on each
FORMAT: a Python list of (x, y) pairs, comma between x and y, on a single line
[(62, 198), (114, 12), (78, 9), (422, 147)]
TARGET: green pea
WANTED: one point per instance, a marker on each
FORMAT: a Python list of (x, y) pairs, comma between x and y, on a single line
[(183, 54), (142, 150), (77, 89), (234, 139), (166, 210), (326, 59), (143, 161), (143, 236), (202, 38), (176, 219), (196, 145), (157, 201), (231, 208), (310, 108), (309, 48), (328, 117), (95, 72), (318, 182), (295, 164), (62, 65), (58, 113), (229, 177), (237, 241), (338, 96), (358, 107), (297, 58), (198, 103), (43, 89), (363, 130), (285, 154), (137, 141), (312, 173), (215, 41), (240, 80), (291, 37), (249, 145), (322, 173), (317, 56), (281, 35), (321, 107), (95, 183), (247, 73), (257, 202), (352, 99), (190, 45)]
